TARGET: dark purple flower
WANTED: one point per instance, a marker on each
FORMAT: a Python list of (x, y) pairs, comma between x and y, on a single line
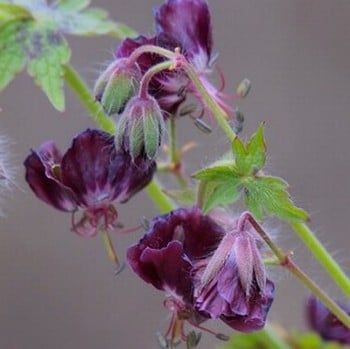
[(232, 285), (186, 25), (322, 321), (90, 176), (164, 257), (205, 270)]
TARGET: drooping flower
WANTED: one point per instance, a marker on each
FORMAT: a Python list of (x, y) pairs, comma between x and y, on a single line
[(90, 175), (232, 284), (321, 320), (205, 271), (164, 257)]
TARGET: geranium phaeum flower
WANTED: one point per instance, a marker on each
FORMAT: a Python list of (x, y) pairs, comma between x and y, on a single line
[(232, 285), (322, 321), (182, 24), (89, 176), (164, 257), (204, 270)]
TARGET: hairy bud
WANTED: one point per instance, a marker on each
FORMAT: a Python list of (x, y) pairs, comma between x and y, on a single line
[(140, 127), (116, 85)]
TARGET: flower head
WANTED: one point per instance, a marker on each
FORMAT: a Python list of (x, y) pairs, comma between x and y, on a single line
[(183, 25), (165, 256), (205, 271), (232, 284), (90, 175), (322, 321)]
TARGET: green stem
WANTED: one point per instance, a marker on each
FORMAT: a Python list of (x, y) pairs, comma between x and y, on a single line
[(150, 49), (324, 258), (147, 77), (172, 140), (286, 262), (82, 91), (160, 200), (304, 233), (220, 116)]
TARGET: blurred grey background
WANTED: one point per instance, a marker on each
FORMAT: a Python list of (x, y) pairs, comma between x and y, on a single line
[(58, 290)]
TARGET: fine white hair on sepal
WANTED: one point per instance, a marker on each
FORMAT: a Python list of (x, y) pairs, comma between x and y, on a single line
[(7, 170)]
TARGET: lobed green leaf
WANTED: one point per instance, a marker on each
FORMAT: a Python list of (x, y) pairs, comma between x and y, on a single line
[(250, 157), (221, 193), (269, 194), (12, 57), (49, 51)]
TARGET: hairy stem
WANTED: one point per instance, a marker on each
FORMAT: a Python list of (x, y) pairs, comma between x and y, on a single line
[(287, 262), (305, 234), (77, 84), (220, 115), (323, 257), (147, 77)]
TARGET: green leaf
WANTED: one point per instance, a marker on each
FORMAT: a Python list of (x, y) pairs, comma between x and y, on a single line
[(257, 150), (251, 157), (9, 12), (240, 152), (12, 57), (222, 193), (49, 52), (73, 17), (269, 194), (72, 5), (31, 34), (217, 172), (185, 197)]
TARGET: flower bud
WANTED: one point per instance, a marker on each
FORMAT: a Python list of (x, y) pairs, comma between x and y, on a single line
[(116, 85), (140, 127)]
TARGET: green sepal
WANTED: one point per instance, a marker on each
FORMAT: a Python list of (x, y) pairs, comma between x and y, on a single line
[(152, 134), (117, 92), (136, 137)]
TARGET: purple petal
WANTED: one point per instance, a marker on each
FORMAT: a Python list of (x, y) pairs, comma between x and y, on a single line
[(322, 321), (186, 22), (90, 169), (170, 269), (45, 187), (98, 174), (146, 60), (157, 259), (256, 318)]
